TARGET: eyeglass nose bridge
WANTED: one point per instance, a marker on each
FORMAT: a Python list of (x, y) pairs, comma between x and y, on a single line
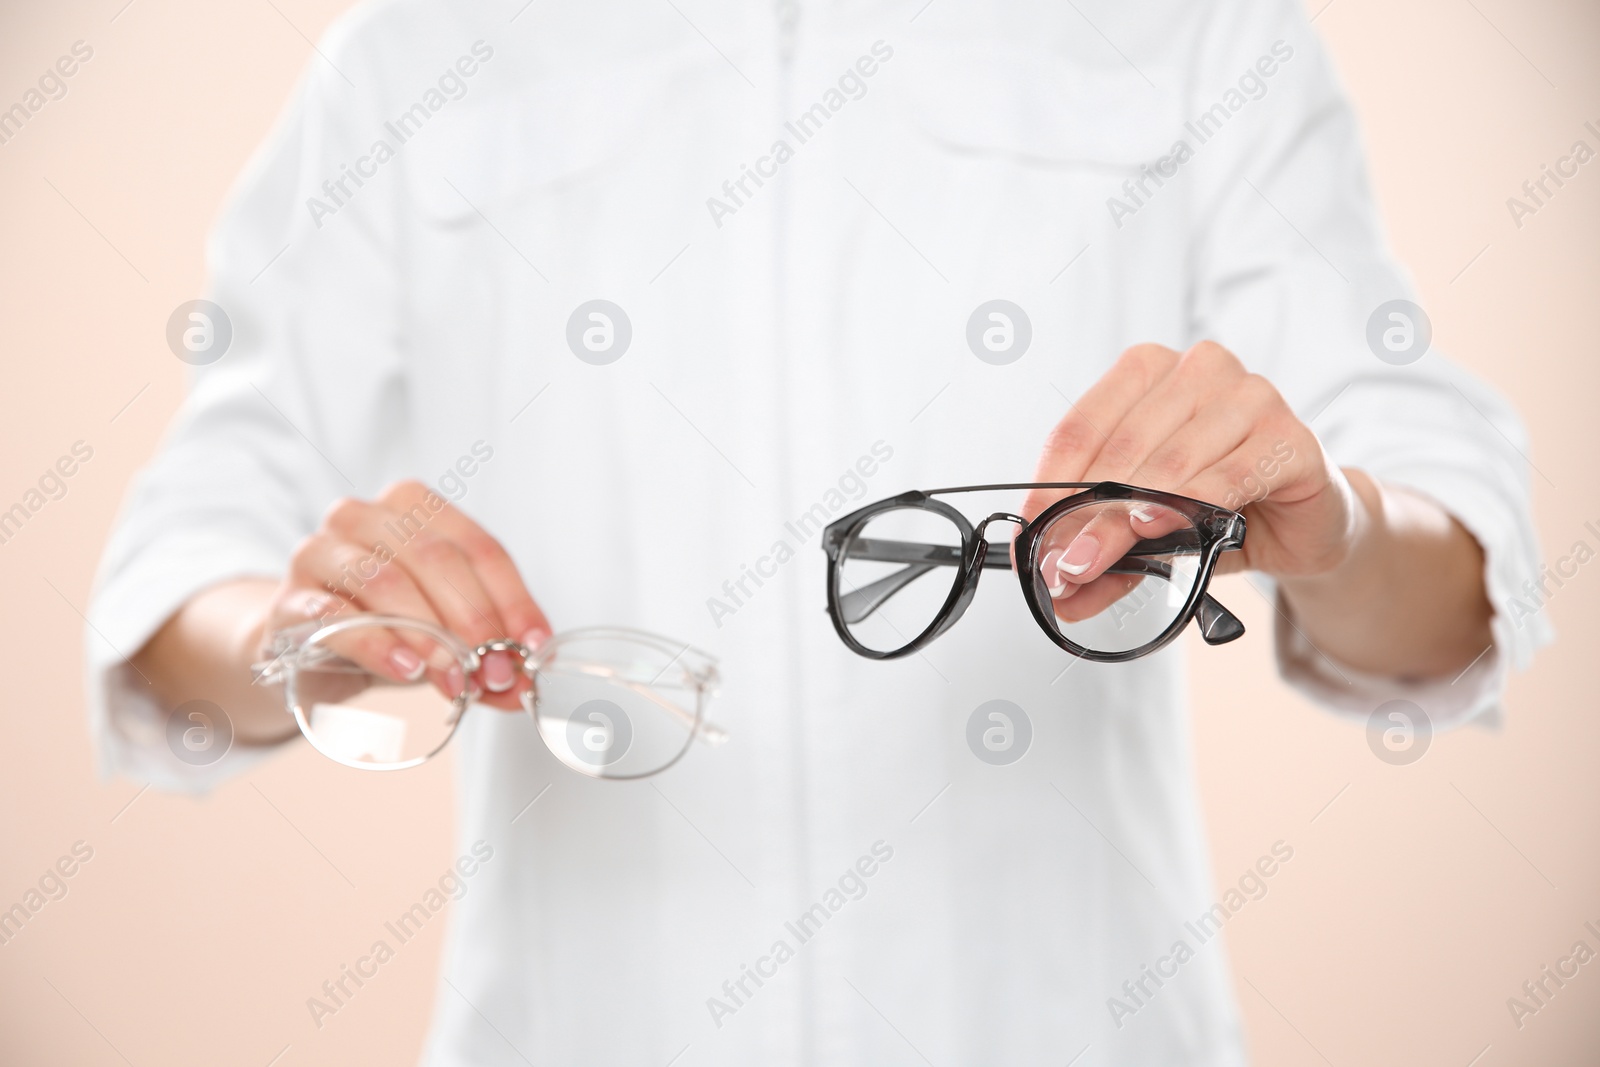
[(999, 516), (980, 560), (523, 653), (980, 534), (524, 656), (503, 644)]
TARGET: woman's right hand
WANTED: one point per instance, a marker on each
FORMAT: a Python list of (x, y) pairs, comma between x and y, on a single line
[(411, 553)]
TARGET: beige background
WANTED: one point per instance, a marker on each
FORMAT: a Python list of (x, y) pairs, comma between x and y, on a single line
[(1418, 900)]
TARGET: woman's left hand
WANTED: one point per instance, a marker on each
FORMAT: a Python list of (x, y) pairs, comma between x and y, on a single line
[(1200, 425), (1377, 576)]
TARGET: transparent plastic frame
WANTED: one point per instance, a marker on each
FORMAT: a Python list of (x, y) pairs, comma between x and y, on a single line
[(301, 647)]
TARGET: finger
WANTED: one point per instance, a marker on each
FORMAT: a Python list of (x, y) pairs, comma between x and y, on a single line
[(458, 595), (1082, 545), (1215, 431), (362, 578), (1272, 475), (1203, 380), (1267, 464), (1082, 602), (295, 604), (521, 614), (1204, 435), (356, 574), (382, 652), (434, 565), (1150, 521), (413, 571), (374, 650), (1081, 433), (489, 599), (1089, 544)]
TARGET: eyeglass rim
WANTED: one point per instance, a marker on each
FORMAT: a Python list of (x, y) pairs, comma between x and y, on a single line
[(706, 678), (833, 542), (1221, 529)]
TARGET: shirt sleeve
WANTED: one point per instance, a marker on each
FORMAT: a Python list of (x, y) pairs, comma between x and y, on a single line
[(307, 404), (1292, 269)]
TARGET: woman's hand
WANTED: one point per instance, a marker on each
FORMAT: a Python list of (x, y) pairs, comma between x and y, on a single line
[(1382, 578), (411, 553), (1199, 425)]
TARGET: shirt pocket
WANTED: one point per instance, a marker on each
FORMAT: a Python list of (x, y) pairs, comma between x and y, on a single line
[(574, 181), (1021, 149), (500, 154), (1034, 107)]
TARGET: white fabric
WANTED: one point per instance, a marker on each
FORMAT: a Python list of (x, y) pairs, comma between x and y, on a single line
[(770, 354)]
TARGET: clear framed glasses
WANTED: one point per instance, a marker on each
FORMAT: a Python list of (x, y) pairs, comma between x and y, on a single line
[(1111, 572), (609, 702)]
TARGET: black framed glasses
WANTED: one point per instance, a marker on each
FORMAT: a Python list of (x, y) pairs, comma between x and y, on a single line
[(1111, 572)]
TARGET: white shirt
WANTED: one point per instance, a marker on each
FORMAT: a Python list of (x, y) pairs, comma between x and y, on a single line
[(776, 340)]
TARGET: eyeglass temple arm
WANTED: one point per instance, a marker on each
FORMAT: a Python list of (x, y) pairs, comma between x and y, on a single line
[(270, 671), (1217, 624), (286, 647), (710, 733)]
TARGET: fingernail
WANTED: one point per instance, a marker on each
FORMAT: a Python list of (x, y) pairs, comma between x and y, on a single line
[(407, 662), (1080, 555), (1050, 569), (1143, 514), (498, 672), (535, 637), (317, 606)]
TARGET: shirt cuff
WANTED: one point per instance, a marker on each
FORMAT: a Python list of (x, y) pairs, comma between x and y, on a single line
[(1476, 694), (128, 724)]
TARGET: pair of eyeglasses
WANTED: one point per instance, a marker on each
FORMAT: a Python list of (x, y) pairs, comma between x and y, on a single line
[(609, 702), (1111, 572)]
